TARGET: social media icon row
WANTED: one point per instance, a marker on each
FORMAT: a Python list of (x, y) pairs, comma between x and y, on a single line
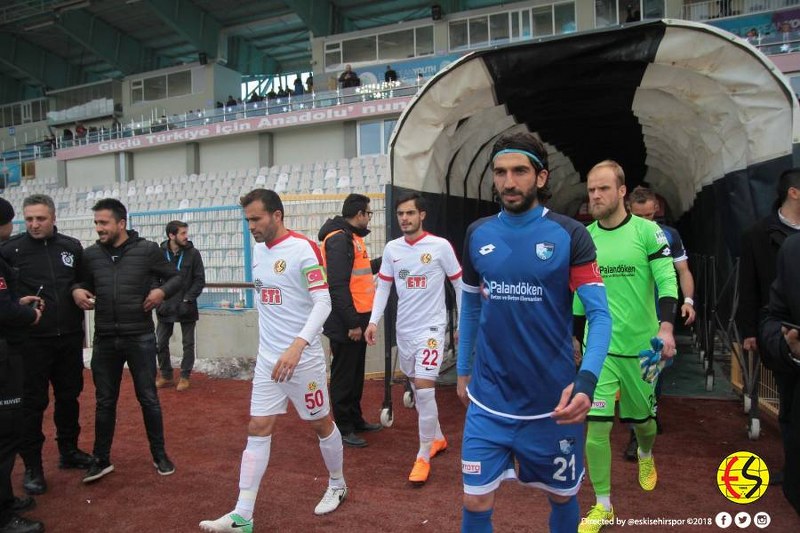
[(742, 520)]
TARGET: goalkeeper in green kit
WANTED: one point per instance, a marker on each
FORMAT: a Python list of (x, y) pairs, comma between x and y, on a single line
[(634, 258)]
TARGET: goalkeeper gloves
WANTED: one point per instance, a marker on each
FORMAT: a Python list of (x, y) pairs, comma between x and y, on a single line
[(650, 360)]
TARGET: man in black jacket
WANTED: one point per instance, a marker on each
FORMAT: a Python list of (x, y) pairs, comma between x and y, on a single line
[(760, 245), (182, 307), (780, 349), (119, 280), (352, 290), (47, 262), (15, 317)]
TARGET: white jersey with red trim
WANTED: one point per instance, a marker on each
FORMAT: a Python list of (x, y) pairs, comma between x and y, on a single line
[(418, 269), (284, 273)]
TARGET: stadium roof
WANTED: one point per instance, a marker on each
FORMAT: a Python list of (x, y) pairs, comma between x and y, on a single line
[(60, 43)]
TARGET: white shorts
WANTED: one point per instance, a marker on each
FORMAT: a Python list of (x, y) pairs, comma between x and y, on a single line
[(421, 357), (307, 390)]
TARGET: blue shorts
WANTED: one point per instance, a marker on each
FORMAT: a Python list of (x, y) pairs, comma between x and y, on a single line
[(549, 456)]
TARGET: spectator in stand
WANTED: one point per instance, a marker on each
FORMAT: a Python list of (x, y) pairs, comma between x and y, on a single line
[(66, 137), (752, 35), (349, 78), (282, 93), (298, 86), (80, 130), (231, 101), (310, 83), (420, 78), (390, 75), (272, 95), (633, 15)]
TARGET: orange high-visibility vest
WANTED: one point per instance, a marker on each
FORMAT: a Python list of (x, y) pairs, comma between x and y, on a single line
[(362, 286)]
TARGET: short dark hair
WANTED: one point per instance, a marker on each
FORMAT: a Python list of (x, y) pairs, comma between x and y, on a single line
[(268, 198), (419, 201), (174, 226), (790, 178), (116, 207), (640, 195), (353, 204), (40, 199), (523, 140)]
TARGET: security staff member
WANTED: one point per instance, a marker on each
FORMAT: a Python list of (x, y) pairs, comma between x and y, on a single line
[(47, 262), (352, 291), (15, 317)]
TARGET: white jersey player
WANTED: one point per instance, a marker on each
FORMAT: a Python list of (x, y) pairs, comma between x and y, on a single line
[(291, 294), (418, 264)]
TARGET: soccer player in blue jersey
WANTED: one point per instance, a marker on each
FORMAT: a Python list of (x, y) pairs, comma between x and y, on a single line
[(515, 360)]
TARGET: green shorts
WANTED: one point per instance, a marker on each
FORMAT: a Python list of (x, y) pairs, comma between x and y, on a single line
[(637, 397)]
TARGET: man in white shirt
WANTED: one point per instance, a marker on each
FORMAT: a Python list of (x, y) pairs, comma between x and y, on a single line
[(293, 302), (417, 263)]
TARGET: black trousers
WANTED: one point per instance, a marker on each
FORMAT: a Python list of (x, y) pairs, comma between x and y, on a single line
[(163, 334), (10, 419), (108, 358), (57, 361), (790, 426), (347, 383)]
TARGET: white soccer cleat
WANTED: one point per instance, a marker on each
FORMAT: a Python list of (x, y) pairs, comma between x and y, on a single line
[(331, 500), (228, 523)]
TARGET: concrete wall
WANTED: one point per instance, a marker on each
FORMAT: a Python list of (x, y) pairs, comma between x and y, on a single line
[(159, 162), (99, 170), (310, 143), (229, 153)]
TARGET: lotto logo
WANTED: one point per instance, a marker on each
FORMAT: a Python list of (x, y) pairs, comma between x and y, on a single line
[(416, 282), (471, 467), (271, 296)]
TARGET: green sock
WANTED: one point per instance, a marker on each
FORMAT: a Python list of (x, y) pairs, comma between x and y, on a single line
[(598, 456), (646, 435)]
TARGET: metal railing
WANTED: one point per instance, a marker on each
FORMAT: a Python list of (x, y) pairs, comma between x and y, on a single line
[(711, 9)]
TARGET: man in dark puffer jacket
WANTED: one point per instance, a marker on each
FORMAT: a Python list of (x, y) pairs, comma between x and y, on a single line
[(118, 279)]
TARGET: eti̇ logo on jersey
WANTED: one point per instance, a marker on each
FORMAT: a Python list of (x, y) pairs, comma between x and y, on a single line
[(280, 266), (426, 258), (742, 477), (544, 250), (271, 296)]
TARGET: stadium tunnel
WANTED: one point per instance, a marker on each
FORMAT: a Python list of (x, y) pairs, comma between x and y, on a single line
[(699, 115)]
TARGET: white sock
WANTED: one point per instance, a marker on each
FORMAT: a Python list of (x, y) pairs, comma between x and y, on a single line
[(331, 448), (645, 455), (605, 501), (428, 420), (254, 463), (439, 435)]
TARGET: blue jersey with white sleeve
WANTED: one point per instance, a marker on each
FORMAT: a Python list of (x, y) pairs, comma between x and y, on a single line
[(523, 270)]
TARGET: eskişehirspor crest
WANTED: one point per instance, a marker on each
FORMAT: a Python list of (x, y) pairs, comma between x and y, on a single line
[(68, 259), (566, 445), (544, 250)]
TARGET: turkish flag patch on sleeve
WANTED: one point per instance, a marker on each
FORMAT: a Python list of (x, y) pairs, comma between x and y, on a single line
[(315, 277)]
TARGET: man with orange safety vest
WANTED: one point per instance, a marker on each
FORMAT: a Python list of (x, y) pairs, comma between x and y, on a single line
[(351, 285)]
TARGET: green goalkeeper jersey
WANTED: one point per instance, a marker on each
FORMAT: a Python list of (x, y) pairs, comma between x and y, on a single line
[(633, 258)]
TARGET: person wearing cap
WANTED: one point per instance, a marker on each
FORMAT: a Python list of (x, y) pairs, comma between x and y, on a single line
[(16, 315)]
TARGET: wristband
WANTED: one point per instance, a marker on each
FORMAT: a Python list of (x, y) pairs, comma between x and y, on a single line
[(689, 301)]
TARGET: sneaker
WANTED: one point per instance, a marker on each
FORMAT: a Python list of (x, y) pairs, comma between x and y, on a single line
[(647, 473), (438, 447), (230, 522), (183, 384), (162, 382), (164, 466), (75, 459), (596, 519), (420, 472), (331, 500), (631, 449), (98, 469)]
